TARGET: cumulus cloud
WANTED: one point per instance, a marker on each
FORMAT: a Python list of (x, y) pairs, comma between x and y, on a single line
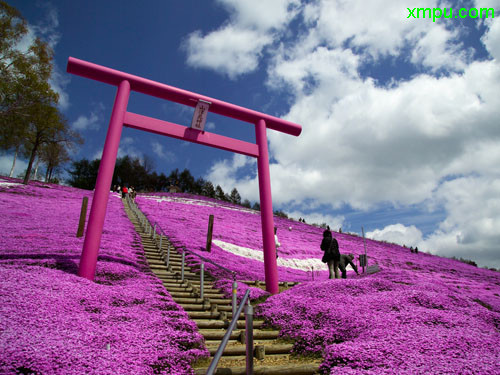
[(427, 140), (127, 148), (491, 38), (90, 122), (397, 233), (335, 222), (237, 46), (229, 50), (159, 151), (225, 173)]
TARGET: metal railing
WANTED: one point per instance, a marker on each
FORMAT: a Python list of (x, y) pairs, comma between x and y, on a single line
[(248, 336)]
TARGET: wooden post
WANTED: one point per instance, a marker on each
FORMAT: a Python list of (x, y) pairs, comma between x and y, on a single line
[(364, 241), (209, 234), (83, 216)]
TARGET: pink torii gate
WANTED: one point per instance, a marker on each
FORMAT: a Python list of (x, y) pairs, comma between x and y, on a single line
[(120, 117)]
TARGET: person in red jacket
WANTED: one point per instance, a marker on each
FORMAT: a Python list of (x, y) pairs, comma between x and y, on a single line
[(124, 192)]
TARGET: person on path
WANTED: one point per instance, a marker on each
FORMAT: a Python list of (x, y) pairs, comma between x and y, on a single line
[(124, 192), (276, 241), (332, 255), (344, 261)]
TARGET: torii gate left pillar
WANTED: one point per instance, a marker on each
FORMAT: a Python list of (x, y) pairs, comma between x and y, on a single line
[(120, 117)]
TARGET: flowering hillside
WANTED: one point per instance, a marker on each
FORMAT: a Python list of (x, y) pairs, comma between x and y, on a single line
[(54, 322), (421, 314)]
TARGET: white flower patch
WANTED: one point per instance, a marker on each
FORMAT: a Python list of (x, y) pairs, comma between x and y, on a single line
[(8, 184), (298, 264), (197, 202)]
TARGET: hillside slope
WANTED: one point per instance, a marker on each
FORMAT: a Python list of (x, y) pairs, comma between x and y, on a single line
[(421, 314), (54, 322)]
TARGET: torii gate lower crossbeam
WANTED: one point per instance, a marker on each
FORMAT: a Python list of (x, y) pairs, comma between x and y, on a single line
[(120, 117)]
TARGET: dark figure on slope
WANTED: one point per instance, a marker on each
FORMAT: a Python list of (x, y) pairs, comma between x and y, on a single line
[(332, 255), (344, 261)]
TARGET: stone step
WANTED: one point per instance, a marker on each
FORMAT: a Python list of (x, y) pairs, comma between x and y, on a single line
[(211, 294), (202, 307), (156, 257), (212, 315), (221, 324), (217, 301), (218, 334), (176, 282), (288, 369), (240, 349)]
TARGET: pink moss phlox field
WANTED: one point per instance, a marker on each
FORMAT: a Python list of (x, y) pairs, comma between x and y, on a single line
[(54, 322), (422, 314), (393, 322)]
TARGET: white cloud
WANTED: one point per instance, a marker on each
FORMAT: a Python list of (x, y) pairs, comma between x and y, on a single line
[(406, 143), (58, 82), (491, 38), (161, 152), (470, 229), (90, 122), (225, 173), (335, 222), (262, 14), (228, 50), (126, 148), (397, 233), (236, 47)]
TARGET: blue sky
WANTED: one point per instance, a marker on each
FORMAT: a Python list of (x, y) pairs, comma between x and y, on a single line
[(400, 116)]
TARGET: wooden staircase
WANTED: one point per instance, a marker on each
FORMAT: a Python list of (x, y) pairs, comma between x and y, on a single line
[(213, 314)]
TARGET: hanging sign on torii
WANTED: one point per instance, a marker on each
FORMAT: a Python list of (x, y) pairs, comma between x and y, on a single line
[(200, 115), (120, 117)]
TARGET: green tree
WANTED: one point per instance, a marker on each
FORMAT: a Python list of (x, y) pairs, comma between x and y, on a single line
[(246, 203), (54, 155), (208, 190), (186, 181), (219, 193), (24, 74), (198, 186), (84, 173), (29, 118), (235, 197), (46, 126)]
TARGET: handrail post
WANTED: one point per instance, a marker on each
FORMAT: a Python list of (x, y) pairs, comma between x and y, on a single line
[(202, 279), (235, 292), (168, 255), (213, 365), (154, 232), (182, 265), (249, 337), (161, 250)]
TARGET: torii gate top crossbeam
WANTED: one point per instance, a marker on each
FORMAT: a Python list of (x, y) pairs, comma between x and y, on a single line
[(145, 86)]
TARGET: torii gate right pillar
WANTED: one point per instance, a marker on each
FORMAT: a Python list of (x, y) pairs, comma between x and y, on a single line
[(266, 209)]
